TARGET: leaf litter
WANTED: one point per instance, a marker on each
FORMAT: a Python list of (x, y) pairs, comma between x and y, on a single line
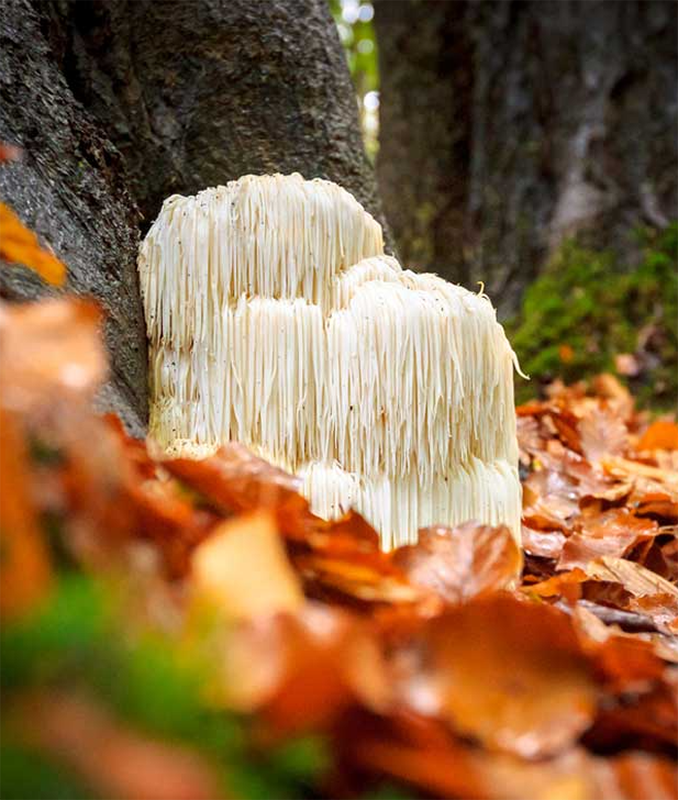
[(455, 667)]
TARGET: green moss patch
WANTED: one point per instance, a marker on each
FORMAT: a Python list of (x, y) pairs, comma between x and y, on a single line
[(590, 306)]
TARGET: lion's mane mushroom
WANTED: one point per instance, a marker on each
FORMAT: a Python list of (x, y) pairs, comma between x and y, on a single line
[(275, 319)]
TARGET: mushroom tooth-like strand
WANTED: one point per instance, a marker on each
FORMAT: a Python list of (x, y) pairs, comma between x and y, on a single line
[(399, 506), (275, 319), (270, 236)]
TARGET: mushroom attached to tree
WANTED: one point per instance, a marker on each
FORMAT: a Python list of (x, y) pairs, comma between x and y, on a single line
[(276, 320)]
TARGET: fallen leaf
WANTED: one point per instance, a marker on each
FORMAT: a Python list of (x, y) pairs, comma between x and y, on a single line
[(25, 567), (612, 533), (602, 434), (508, 673), (9, 152), (635, 578), (243, 570), (545, 544), (661, 435), (302, 671), (19, 245), (52, 349), (462, 562)]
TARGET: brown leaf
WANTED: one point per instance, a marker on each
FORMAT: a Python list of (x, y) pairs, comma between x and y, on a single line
[(661, 435), (243, 570), (511, 674), (19, 245), (602, 433), (234, 481), (359, 578), (25, 568), (301, 671), (462, 562), (636, 579), (52, 349), (565, 584), (545, 544), (446, 767), (9, 152), (612, 533), (657, 504)]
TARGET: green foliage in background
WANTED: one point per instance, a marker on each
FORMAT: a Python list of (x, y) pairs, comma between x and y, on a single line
[(80, 638), (601, 306), (360, 43)]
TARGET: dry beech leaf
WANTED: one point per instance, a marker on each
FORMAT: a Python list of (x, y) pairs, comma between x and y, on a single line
[(625, 468), (657, 504), (243, 570), (456, 769), (635, 578), (25, 568), (235, 480), (361, 578), (301, 671), (508, 673), (10, 152), (19, 245), (602, 434), (545, 544), (462, 562), (51, 348), (661, 435), (612, 533)]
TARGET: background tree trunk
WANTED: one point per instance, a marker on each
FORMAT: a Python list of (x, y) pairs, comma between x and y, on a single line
[(507, 126), (121, 103)]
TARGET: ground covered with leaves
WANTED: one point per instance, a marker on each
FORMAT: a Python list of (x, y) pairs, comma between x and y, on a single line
[(182, 629)]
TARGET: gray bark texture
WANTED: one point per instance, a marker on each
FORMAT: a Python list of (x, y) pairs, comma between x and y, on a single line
[(70, 188), (508, 126), (199, 92), (121, 103)]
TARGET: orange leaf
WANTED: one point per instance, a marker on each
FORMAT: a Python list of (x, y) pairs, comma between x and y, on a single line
[(509, 674), (242, 568), (25, 567), (9, 152), (661, 435), (565, 353), (462, 562), (19, 245)]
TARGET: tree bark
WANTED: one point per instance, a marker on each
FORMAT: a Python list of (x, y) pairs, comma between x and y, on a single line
[(121, 103), (508, 126), (71, 189), (200, 92)]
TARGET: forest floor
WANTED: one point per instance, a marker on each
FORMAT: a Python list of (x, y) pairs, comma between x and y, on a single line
[(177, 629), (182, 629)]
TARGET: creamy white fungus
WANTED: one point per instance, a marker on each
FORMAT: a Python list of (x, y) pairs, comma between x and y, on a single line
[(276, 320)]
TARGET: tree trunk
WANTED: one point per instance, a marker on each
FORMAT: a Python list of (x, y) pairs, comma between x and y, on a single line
[(508, 126), (200, 92), (121, 103), (71, 189)]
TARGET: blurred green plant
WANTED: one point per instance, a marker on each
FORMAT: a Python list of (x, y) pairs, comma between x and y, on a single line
[(81, 638), (356, 31), (590, 307)]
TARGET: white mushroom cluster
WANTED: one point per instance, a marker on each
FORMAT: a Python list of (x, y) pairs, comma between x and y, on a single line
[(276, 320)]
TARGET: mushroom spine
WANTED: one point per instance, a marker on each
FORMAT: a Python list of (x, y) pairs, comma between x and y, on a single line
[(275, 319)]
